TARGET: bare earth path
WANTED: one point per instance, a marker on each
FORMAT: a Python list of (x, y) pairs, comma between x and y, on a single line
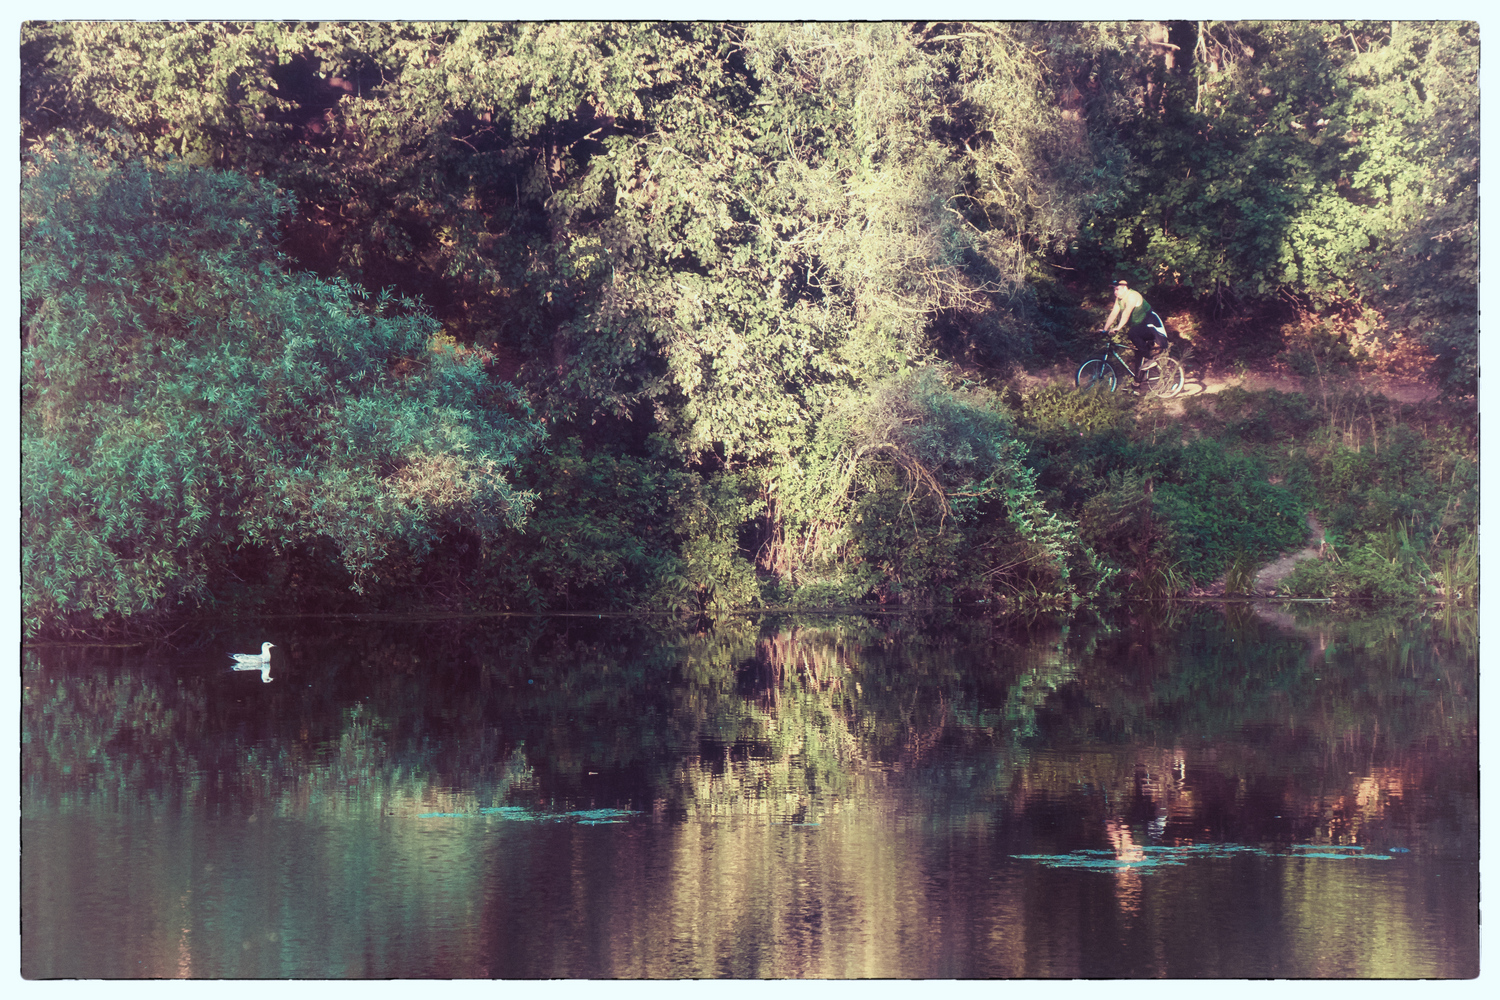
[(1401, 390), (1273, 573), (1206, 383)]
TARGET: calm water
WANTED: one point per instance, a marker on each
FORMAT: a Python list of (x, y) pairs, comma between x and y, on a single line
[(1195, 792)]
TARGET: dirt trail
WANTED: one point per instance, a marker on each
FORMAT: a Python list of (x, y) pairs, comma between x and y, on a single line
[(1199, 383), (1206, 382), (1273, 573)]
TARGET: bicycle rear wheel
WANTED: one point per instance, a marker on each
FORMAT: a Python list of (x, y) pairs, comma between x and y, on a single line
[(1165, 380), (1095, 374)]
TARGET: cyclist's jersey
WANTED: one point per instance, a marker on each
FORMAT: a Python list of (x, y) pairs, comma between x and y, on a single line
[(1140, 312)]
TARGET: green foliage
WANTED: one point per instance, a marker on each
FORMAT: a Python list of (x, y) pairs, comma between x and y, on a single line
[(1227, 166), (1365, 573), (1455, 570), (1219, 505), (1121, 524), (1239, 578), (716, 574), (601, 535), (617, 532), (199, 92), (712, 257), (1078, 440), (776, 248), (184, 397), (919, 490), (1264, 417), (1402, 518), (1394, 487), (1329, 163), (1059, 412), (1409, 477), (1415, 108)]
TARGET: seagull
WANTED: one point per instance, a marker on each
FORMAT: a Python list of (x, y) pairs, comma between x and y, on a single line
[(255, 661)]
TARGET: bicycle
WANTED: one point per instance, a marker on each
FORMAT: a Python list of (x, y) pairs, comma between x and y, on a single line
[(1163, 373)]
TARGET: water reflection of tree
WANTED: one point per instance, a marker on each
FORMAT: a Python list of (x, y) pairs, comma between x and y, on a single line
[(775, 718), (1057, 732)]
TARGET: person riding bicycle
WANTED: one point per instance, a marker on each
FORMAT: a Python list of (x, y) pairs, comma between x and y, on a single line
[(1146, 332)]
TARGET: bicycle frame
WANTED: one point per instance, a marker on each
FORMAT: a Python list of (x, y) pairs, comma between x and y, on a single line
[(1115, 348)]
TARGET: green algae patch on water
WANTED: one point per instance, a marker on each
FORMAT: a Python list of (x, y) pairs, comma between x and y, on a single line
[(509, 812), (585, 817), (1175, 856)]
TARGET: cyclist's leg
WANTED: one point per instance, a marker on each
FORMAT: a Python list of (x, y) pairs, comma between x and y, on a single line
[(1158, 335), (1143, 339)]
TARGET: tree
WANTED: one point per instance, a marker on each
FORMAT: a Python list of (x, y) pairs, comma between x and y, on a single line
[(1333, 165), (186, 399), (1416, 113), (916, 487)]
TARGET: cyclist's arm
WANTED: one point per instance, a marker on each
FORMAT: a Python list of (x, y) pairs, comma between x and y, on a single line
[(1112, 313)]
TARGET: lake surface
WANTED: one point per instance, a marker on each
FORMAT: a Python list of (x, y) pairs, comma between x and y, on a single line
[(1209, 791)]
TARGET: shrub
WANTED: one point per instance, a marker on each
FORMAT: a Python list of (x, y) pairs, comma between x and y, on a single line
[(1424, 483), (1363, 573), (917, 490), (1121, 524), (1221, 505), (1264, 417), (185, 398), (1061, 411)]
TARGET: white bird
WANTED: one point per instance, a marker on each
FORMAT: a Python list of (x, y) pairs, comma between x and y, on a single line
[(255, 661)]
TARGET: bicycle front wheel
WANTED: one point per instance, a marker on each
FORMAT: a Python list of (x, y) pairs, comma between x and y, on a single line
[(1095, 374), (1165, 380)]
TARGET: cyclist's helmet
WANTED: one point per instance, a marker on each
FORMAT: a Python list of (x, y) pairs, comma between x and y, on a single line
[(1121, 281)]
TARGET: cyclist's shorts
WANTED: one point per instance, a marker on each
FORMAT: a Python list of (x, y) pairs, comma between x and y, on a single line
[(1157, 327), (1158, 331)]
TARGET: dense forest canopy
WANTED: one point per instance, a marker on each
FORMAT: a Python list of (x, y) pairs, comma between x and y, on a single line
[(692, 315)]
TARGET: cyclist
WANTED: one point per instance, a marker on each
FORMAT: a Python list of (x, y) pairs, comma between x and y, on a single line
[(1146, 331)]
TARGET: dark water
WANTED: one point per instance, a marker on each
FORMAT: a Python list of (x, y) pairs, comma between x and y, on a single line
[(1203, 792)]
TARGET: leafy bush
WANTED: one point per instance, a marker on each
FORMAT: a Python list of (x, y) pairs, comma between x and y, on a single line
[(1424, 482), (918, 490), (1455, 570), (1059, 412), (601, 537), (1392, 566), (185, 398), (716, 573), (625, 531), (1220, 505), (1076, 440), (1264, 417), (1363, 573), (1121, 524)]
